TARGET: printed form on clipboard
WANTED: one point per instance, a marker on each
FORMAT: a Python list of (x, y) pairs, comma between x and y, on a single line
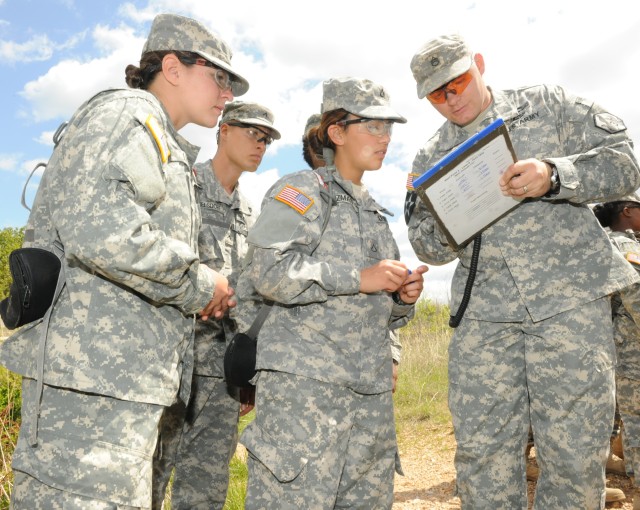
[(461, 190)]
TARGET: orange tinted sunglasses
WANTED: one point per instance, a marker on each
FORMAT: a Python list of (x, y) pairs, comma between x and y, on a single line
[(455, 86)]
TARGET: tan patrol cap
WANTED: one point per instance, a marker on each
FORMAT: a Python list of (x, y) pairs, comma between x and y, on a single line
[(252, 114), (439, 61), (313, 120), (177, 33), (360, 97)]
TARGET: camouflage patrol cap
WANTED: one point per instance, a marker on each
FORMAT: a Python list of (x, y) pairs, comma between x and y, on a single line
[(252, 114), (177, 33), (313, 120), (439, 61), (628, 198), (360, 97)]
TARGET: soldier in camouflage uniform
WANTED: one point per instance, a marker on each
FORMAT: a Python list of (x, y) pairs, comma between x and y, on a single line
[(324, 434), (312, 154), (621, 220), (199, 439), (118, 196), (535, 345)]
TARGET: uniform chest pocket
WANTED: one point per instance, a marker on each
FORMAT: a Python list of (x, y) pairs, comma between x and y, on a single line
[(211, 239), (378, 243), (374, 249)]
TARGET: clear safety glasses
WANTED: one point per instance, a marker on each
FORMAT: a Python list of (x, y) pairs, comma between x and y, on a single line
[(375, 127), (222, 78), (254, 133)]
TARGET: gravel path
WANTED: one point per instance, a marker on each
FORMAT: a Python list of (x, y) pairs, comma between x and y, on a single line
[(429, 477)]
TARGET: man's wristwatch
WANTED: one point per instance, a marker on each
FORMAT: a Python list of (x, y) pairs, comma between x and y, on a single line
[(555, 182)]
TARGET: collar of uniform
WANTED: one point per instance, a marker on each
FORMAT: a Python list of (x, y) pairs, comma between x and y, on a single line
[(504, 106), (452, 135), (208, 179), (330, 173), (235, 201), (191, 151)]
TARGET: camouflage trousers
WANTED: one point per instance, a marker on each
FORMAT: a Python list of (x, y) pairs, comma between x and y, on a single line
[(558, 376), (94, 452), (628, 394), (319, 445), (198, 440)]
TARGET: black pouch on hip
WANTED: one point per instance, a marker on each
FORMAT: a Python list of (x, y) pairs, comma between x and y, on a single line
[(35, 275), (240, 360)]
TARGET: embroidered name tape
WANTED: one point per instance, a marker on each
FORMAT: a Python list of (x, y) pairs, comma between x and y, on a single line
[(294, 198), (158, 135)]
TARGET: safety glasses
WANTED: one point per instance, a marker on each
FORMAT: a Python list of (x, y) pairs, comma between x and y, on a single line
[(455, 86), (375, 127), (222, 78), (253, 133)]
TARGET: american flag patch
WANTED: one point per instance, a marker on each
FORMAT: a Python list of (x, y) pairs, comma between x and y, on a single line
[(410, 179), (295, 198), (634, 258)]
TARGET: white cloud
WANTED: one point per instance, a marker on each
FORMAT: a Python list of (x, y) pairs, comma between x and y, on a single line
[(38, 48), (255, 185), (9, 162), (15, 163), (46, 138), (59, 92), (28, 166), (108, 40)]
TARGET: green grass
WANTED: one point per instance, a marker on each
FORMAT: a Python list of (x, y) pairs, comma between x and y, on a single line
[(421, 393), (420, 399), (238, 473)]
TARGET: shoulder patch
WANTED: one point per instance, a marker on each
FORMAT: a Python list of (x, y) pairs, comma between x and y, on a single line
[(294, 198), (609, 122), (158, 134), (634, 258), (410, 179)]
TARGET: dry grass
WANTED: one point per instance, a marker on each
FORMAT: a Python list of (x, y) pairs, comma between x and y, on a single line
[(10, 405)]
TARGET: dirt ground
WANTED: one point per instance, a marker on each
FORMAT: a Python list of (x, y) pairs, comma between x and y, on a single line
[(429, 477)]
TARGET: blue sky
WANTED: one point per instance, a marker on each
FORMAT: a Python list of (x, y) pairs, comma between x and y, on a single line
[(54, 54)]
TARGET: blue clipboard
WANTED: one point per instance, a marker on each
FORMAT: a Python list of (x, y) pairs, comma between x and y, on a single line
[(460, 150), (459, 233)]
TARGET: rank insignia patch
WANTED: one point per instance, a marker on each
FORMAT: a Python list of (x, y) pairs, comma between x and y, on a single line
[(609, 122), (294, 198)]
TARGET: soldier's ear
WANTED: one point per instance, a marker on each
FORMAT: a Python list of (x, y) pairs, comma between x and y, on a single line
[(626, 211), (336, 134), (479, 61), (223, 131), (171, 67)]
